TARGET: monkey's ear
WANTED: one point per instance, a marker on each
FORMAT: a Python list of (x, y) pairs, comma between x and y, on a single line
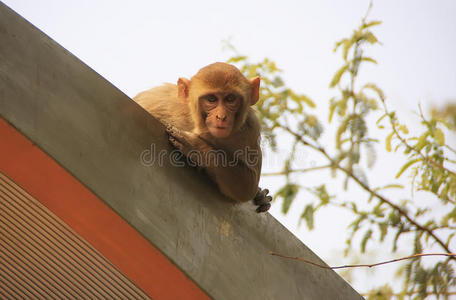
[(255, 85), (182, 89)]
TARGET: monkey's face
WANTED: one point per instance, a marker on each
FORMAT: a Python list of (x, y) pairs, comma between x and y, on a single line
[(219, 97), (219, 112)]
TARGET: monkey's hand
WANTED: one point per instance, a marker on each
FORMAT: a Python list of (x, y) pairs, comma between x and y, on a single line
[(262, 199), (189, 143)]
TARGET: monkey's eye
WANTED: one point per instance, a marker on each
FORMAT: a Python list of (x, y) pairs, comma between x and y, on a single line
[(230, 98), (211, 98)]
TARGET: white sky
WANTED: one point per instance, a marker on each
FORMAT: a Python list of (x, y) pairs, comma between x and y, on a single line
[(140, 44)]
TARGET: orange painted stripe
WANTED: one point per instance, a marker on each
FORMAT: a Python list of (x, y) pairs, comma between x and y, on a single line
[(91, 218)]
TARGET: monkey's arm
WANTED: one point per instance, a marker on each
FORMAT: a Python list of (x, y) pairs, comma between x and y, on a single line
[(238, 181), (235, 177)]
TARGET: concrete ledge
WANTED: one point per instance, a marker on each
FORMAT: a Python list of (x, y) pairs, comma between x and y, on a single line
[(98, 134)]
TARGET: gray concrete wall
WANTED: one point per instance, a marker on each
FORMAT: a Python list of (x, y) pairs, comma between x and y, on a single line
[(97, 133)]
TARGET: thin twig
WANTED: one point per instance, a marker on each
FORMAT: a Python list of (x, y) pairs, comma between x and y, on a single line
[(362, 265), (368, 11), (296, 171), (414, 293)]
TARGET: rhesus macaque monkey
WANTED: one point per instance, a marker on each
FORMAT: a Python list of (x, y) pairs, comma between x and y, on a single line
[(210, 120)]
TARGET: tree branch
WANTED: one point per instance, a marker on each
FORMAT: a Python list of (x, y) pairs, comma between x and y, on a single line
[(362, 265), (364, 186), (296, 171), (414, 293)]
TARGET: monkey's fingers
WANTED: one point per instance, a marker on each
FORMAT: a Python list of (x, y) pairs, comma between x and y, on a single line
[(258, 200), (176, 143), (262, 197), (264, 192), (173, 131), (263, 208), (261, 193), (261, 201)]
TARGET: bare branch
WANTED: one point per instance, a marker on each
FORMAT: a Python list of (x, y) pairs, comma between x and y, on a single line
[(362, 265), (440, 293), (296, 171)]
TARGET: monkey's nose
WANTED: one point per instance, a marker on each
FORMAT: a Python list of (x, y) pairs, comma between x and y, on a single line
[(220, 118)]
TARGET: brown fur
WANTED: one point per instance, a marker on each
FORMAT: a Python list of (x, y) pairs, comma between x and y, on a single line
[(180, 106), (162, 103)]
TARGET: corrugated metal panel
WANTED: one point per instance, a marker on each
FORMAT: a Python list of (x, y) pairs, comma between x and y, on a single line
[(42, 257)]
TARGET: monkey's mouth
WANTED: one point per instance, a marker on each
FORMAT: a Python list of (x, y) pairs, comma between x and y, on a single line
[(220, 131)]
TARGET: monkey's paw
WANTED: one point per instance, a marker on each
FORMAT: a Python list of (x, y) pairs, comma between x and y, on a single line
[(174, 132), (184, 141), (262, 199), (176, 144), (176, 137)]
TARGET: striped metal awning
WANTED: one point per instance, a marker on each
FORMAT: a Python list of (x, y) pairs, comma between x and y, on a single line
[(42, 257)]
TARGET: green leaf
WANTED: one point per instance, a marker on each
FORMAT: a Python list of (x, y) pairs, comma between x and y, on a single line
[(450, 237), (380, 119), (451, 216), (376, 89), (404, 129), (372, 23), (392, 186), (388, 141), (365, 239), (288, 193), (406, 166), (332, 107), (347, 45), (277, 82), (370, 37), (418, 247), (308, 101), (394, 218), (355, 225), (236, 59), (378, 211), (439, 136), (308, 216), (422, 141), (340, 131), (339, 43), (369, 60), (396, 237), (338, 75), (383, 230), (322, 194)]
